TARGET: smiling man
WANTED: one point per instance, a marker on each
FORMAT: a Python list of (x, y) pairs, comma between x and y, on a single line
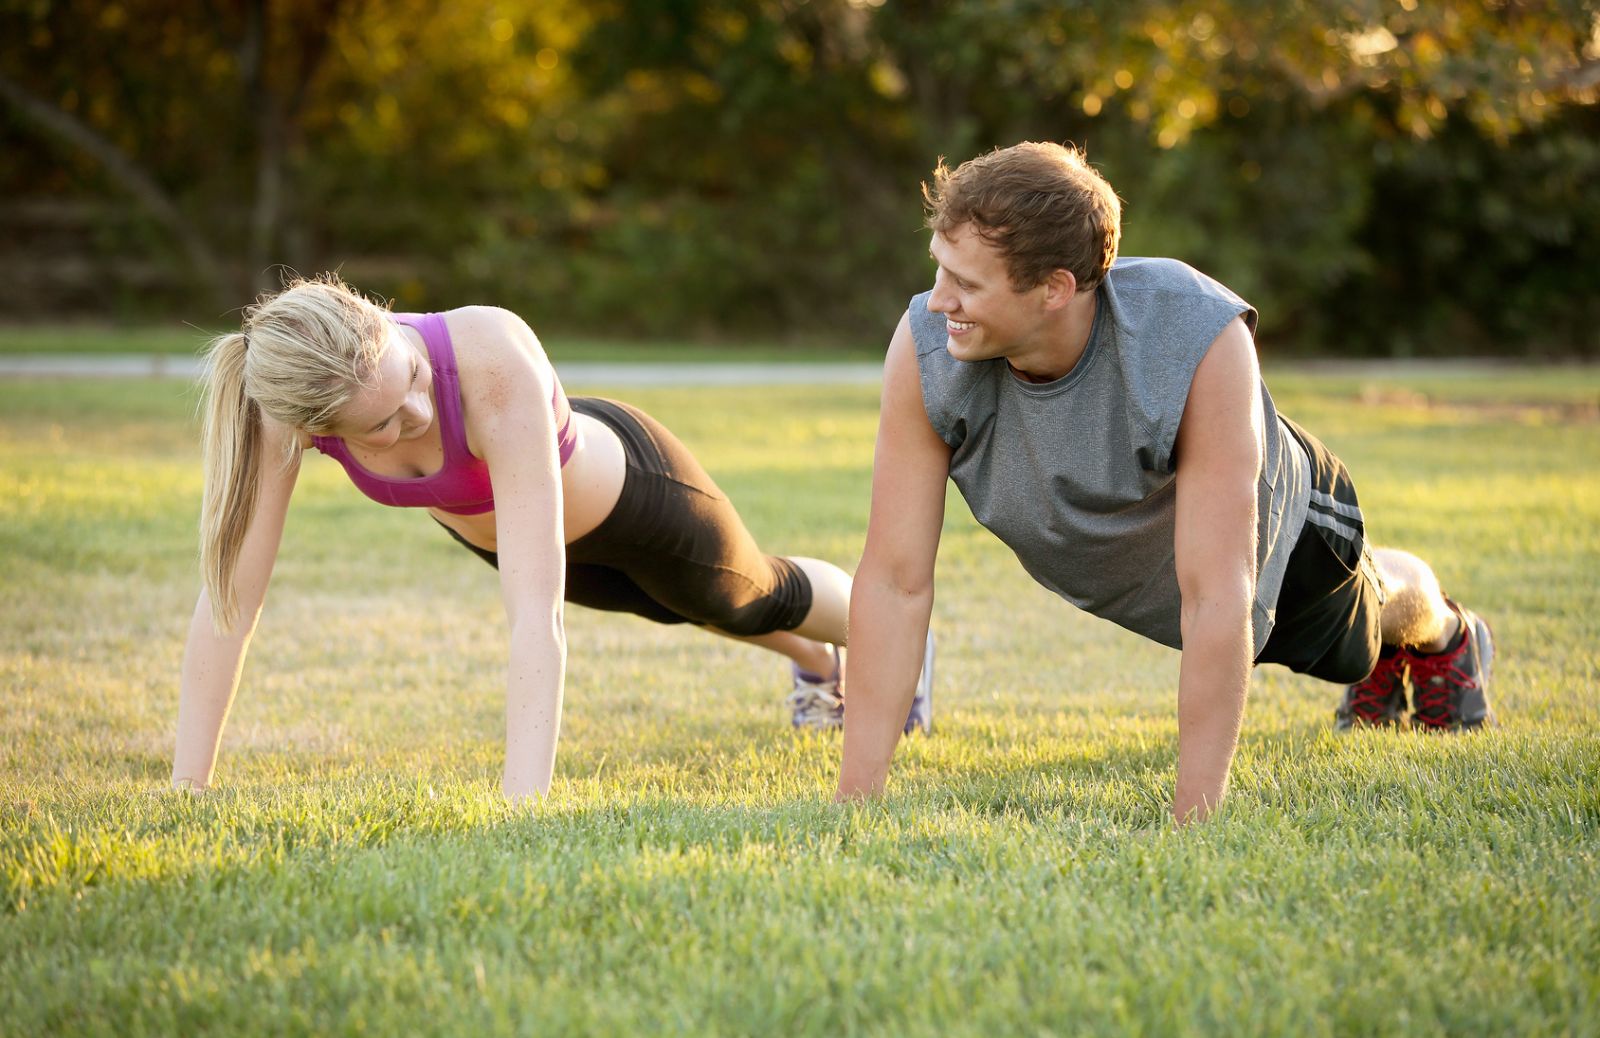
[(1106, 419)]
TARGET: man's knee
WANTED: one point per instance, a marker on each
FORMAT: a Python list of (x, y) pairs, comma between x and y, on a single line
[(1404, 572)]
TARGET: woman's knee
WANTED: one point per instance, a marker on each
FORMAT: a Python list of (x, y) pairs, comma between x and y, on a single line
[(734, 605)]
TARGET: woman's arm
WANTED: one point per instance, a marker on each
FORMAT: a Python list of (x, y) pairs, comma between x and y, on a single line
[(212, 659), (506, 385)]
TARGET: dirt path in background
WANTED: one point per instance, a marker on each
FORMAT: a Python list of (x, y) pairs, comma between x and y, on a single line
[(1581, 411)]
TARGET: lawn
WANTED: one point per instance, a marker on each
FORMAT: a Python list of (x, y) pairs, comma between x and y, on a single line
[(356, 872)]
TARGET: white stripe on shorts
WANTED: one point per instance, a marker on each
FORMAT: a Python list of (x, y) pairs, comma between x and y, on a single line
[(1327, 501), (1328, 522)]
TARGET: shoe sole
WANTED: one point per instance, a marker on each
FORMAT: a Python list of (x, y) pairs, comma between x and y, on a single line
[(829, 726), (1483, 636)]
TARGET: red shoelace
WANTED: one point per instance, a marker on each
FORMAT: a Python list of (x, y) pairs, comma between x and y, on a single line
[(1370, 699), (1435, 678)]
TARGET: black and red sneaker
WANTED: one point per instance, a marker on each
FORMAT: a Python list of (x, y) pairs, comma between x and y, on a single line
[(1379, 699), (1451, 688)]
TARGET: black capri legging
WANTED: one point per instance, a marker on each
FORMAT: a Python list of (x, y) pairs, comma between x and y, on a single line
[(674, 550)]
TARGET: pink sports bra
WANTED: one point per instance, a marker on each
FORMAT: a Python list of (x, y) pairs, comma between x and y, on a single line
[(462, 485)]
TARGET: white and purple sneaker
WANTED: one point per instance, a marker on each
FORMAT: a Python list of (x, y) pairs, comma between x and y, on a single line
[(816, 701)]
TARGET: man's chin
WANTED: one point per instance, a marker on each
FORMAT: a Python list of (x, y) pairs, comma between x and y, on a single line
[(959, 350)]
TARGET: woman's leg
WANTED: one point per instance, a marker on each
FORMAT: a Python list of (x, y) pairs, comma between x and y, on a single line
[(829, 616), (811, 644), (808, 654), (675, 534), (680, 540), (825, 625)]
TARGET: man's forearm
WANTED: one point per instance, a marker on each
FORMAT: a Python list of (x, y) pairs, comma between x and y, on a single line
[(887, 630), (1212, 686)]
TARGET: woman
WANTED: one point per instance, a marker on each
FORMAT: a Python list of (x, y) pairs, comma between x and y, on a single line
[(590, 501)]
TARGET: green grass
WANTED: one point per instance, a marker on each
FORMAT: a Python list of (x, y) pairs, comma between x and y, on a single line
[(357, 872), (91, 338)]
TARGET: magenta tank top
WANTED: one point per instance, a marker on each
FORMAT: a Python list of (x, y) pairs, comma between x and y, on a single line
[(462, 485)]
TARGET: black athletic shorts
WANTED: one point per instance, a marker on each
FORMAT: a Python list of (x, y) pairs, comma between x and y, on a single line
[(674, 550), (1327, 616)]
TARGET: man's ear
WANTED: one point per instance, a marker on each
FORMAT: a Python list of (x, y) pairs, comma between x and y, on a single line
[(1060, 286)]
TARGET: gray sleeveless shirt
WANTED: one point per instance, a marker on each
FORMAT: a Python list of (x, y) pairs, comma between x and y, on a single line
[(1077, 476)]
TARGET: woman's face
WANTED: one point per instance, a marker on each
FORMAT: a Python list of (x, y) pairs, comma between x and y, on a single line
[(397, 406)]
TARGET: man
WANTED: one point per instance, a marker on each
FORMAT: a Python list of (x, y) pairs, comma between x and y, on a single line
[(1106, 419)]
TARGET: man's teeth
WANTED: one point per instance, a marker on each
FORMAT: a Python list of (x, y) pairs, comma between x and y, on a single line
[(961, 326)]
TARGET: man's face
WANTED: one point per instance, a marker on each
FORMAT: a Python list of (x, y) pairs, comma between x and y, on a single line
[(985, 317)]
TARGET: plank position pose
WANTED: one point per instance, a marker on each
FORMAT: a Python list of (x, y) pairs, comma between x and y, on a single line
[(585, 500), (1106, 419)]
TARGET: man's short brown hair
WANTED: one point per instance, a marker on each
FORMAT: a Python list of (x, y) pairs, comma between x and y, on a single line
[(1042, 205)]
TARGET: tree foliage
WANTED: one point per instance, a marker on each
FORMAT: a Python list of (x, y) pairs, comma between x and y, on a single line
[(1379, 176)]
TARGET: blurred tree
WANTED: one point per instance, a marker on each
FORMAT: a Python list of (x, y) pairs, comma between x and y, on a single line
[(65, 70), (727, 166), (191, 109), (237, 128), (280, 53)]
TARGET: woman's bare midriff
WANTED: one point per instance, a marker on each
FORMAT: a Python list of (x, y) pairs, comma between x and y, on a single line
[(591, 483)]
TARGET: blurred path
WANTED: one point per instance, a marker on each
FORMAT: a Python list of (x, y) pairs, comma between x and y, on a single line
[(42, 365), (755, 373)]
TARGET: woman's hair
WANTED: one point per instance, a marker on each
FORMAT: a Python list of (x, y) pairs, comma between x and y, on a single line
[(1042, 205), (298, 359)]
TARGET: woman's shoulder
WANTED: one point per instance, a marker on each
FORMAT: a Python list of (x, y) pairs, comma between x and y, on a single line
[(498, 357), (483, 319), (490, 336)]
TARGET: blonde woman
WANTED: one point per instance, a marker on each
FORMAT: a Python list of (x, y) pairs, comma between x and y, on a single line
[(583, 500)]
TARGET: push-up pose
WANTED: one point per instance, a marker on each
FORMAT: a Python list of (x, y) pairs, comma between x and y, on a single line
[(583, 500), (1106, 419)]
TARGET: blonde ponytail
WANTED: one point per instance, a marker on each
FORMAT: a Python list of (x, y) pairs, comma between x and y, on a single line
[(231, 447), (302, 355)]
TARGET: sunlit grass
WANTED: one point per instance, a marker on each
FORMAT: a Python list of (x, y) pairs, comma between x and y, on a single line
[(356, 870)]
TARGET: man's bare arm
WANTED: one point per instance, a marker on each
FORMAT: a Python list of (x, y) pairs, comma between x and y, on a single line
[(893, 591), (1218, 465)]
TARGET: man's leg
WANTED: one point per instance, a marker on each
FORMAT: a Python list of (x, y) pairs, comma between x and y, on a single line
[(1439, 650), (1415, 615), (1347, 609)]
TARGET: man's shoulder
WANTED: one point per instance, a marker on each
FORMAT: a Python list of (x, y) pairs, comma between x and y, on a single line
[(953, 391), (1160, 273), (927, 327), (1140, 283)]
